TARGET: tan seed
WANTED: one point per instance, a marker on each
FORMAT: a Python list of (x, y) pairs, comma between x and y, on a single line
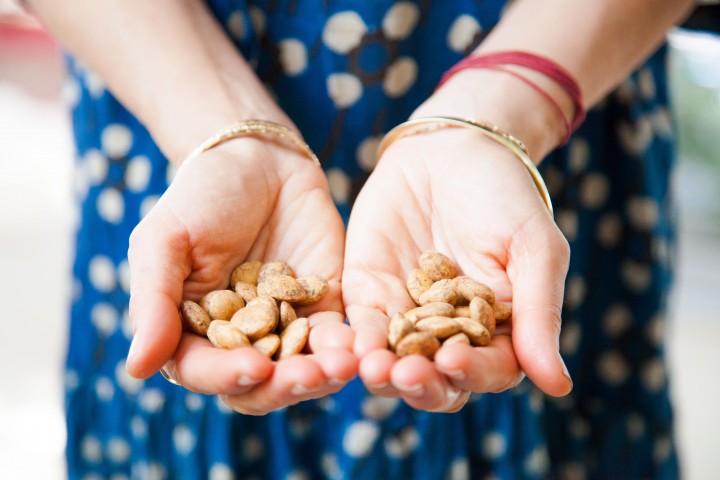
[(268, 344), (194, 317), (222, 304), (255, 321), (482, 312), (398, 328), (418, 283), (282, 287), (246, 272), (457, 338), (463, 311), (441, 291), (315, 287), (478, 335), (224, 334), (441, 327), (270, 269), (437, 266), (294, 338), (420, 343), (503, 312), (270, 302), (287, 315), (246, 290), (470, 288), (437, 309)]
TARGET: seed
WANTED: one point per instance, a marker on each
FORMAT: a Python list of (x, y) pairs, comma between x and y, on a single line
[(270, 269), (194, 317), (440, 327), (457, 338), (294, 338), (398, 328), (268, 344), (281, 287), (418, 283), (503, 312), (222, 304), (224, 334), (420, 343), (437, 309), (246, 272), (441, 291), (255, 321), (315, 287), (482, 312), (246, 290), (437, 266), (470, 288)]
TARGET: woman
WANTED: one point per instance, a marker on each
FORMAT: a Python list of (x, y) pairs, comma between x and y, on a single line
[(343, 74)]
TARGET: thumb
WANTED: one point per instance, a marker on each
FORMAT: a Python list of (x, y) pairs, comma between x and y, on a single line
[(537, 269), (158, 267)]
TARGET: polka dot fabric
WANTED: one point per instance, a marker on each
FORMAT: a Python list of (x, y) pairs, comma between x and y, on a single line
[(362, 67)]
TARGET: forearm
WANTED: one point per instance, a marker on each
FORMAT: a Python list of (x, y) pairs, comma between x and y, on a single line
[(167, 61), (598, 42)]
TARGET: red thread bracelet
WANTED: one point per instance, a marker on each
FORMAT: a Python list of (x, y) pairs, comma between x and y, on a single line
[(532, 61)]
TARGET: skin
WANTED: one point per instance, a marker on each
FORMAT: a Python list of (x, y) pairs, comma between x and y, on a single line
[(252, 198)]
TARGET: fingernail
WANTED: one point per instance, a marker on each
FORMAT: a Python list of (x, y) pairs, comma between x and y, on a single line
[(245, 381), (566, 374), (335, 382), (133, 350), (457, 375), (415, 391), (377, 386), (299, 389)]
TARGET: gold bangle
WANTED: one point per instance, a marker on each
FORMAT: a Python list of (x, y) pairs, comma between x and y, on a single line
[(255, 127), (512, 143)]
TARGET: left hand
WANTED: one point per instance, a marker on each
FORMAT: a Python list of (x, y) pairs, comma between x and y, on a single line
[(462, 194)]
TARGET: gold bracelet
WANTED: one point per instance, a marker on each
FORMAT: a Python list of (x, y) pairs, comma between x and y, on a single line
[(429, 124), (255, 127)]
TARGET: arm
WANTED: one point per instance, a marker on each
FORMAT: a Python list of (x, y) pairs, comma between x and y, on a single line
[(488, 218), (598, 42), (171, 65), (167, 61)]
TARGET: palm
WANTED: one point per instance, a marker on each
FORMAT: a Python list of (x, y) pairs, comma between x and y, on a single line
[(454, 201), (224, 208)]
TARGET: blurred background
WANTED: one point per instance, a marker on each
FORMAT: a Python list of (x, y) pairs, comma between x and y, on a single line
[(37, 222)]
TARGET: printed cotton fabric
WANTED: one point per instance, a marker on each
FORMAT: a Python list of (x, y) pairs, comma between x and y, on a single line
[(346, 72)]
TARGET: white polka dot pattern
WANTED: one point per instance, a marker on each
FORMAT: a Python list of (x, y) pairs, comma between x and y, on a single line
[(400, 77), (494, 445), (344, 89), (183, 439), (293, 56), (400, 20), (91, 449), (360, 437), (102, 273), (462, 33), (118, 450), (339, 184), (137, 173), (110, 205), (379, 408), (116, 140), (401, 445), (105, 318), (344, 31), (612, 368), (221, 471)]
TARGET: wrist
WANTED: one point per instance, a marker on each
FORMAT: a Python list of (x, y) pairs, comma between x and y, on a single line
[(503, 100)]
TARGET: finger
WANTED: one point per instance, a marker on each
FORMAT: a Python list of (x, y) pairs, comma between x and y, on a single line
[(296, 378), (371, 328), (375, 369), (202, 368), (339, 366), (537, 269), (492, 368), (328, 330), (158, 264), (422, 386)]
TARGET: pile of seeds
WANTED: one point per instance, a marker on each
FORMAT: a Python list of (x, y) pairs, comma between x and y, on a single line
[(449, 310), (257, 309)]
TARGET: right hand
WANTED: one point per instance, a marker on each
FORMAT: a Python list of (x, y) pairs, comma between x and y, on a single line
[(245, 199)]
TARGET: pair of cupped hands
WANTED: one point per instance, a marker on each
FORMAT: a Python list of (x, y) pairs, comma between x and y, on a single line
[(451, 190)]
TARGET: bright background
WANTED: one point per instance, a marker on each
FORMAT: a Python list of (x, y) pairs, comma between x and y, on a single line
[(37, 221)]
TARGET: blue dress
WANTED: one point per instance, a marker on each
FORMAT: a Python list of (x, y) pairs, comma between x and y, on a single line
[(361, 68)]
